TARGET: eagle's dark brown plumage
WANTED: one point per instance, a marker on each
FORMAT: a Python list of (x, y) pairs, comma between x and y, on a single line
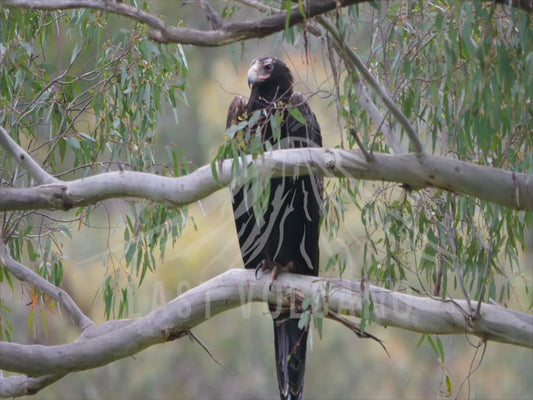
[(287, 234)]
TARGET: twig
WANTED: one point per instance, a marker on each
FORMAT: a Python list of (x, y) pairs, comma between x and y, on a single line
[(259, 6), (369, 106), (472, 368), (212, 16), (355, 328), (368, 156), (196, 339), (338, 102)]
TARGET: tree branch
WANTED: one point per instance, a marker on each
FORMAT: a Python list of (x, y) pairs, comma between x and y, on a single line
[(237, 287), (24, 159), (23, 385), (222, 35), (510, 189), (25, 274), (353, 61)]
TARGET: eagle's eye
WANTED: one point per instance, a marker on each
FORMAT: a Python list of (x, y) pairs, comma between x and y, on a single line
[(268, 67)]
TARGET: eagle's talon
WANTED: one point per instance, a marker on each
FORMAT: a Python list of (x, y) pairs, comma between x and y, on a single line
[(275, 269), (260, 267), (288, 268), (273, 276)]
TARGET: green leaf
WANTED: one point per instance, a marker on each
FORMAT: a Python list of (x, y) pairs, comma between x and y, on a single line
[(307, 301), (304, 320), (146, 49), (108, 297), (73, 143), (214, 172), (441, 350), (32, 254), (62, 149), (449, 385), (91, 139), (234, 57), (48, 68), (233, 129), (31, 323), (45, 322), (130, 251), (422, 338), (318, 324), (65, 229), (296, 113), (75, 53)]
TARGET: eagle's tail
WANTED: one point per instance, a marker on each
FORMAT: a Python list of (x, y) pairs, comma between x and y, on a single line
[(290, 345)]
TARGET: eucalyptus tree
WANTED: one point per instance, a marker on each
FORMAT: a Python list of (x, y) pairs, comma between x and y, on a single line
[(432, 100)]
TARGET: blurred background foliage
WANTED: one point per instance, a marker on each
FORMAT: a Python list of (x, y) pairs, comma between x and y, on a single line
[(85, 92)]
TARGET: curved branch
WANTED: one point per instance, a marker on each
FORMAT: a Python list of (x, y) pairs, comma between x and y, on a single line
[(25, 274), (24, 159), (23, 385), (224, 34), (510, 189), (237, 287)]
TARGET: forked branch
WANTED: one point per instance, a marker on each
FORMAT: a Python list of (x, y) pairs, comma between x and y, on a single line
[(223, 34), (114, 340)]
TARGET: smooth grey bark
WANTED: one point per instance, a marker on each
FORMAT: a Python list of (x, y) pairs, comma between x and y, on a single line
[(510, 189), (100, 345)]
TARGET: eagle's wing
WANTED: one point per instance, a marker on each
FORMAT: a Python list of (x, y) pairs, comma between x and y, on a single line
[(237, 109), (310, 137), (301, 237), (311, 129), (248, 230)]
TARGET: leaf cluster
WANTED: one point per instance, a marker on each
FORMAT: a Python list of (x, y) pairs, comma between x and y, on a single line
[(461, 74), (82, 97)]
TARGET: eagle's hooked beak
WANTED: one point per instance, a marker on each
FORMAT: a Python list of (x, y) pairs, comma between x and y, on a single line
[(252, 75), (257, 73)]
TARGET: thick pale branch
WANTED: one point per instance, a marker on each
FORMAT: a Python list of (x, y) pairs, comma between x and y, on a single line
[(45, 197), (513, 190), (23, 385), (238, 287), (25, 274)]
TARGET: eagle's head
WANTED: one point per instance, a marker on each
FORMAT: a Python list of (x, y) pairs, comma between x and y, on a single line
[(270, 79)]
